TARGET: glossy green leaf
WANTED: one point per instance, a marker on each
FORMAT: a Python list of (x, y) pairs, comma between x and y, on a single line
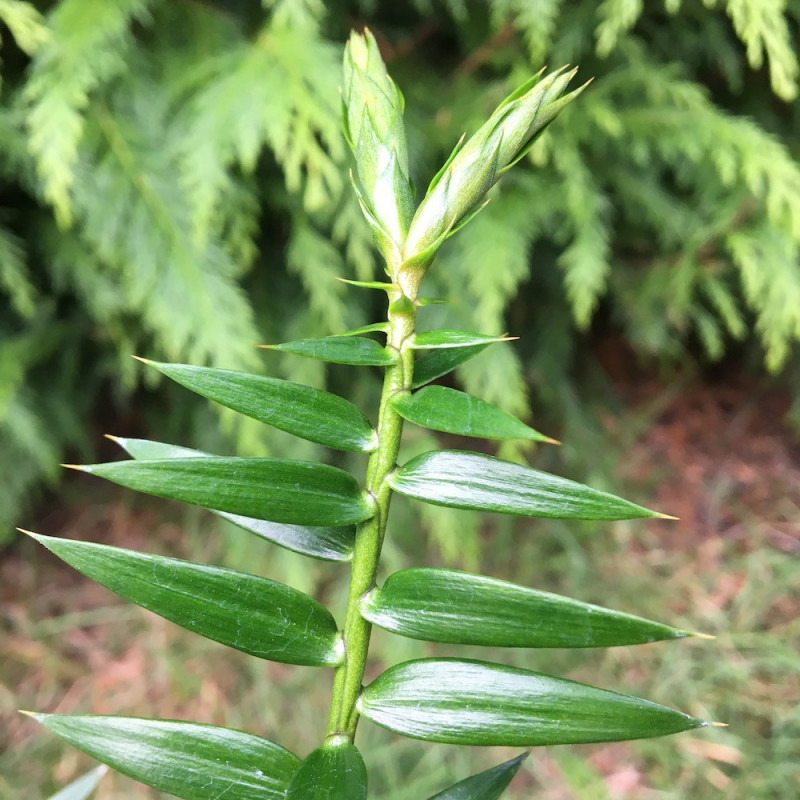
[(375, 327), (82, 787), (280, 490), (252, 614), (432, 364), (444, 605), (185, 759), (443, 409), (303, 411), (433, 340), (477, 703), (356, 350), (331, 772), (488, 785), (483, 483), (328, 544), (382, 285)]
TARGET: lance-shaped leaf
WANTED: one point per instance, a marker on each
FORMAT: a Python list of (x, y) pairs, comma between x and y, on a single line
[(444, 605), (257, 616), (82, 787), (445, 338), (303, 411), (328, 544), (432, 364), (356, 350), (375, 327), (184, 759), (277, 489), (483, 483), (331, 772), (477, 703), (488, 785), (443, 409)]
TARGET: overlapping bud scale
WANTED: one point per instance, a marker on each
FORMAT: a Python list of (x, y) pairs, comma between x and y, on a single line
[(373, 124), (460, 188)]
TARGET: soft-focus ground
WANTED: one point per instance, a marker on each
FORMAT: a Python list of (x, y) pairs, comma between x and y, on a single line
[(715, 454)]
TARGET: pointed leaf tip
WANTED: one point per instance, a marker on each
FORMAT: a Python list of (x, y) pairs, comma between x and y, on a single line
[(659, 515), (697, 635), (78, 467), (487, 785), (143, 360)]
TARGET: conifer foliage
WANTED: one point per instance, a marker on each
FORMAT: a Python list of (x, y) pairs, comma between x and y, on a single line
[(176, 183)]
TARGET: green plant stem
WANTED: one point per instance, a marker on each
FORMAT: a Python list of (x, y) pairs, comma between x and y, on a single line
[(369, 534)]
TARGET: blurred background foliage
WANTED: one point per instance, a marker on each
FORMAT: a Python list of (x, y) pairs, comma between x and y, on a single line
[(175, 185)]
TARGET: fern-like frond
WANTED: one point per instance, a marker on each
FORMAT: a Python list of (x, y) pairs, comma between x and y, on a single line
[(86, 49), (279, 90), (318, 264), (306, 15), (769, 265), (762, 26), (25, 23), (616, 17), (14, 278), (585, 211), (535, 19), (135, 218)]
